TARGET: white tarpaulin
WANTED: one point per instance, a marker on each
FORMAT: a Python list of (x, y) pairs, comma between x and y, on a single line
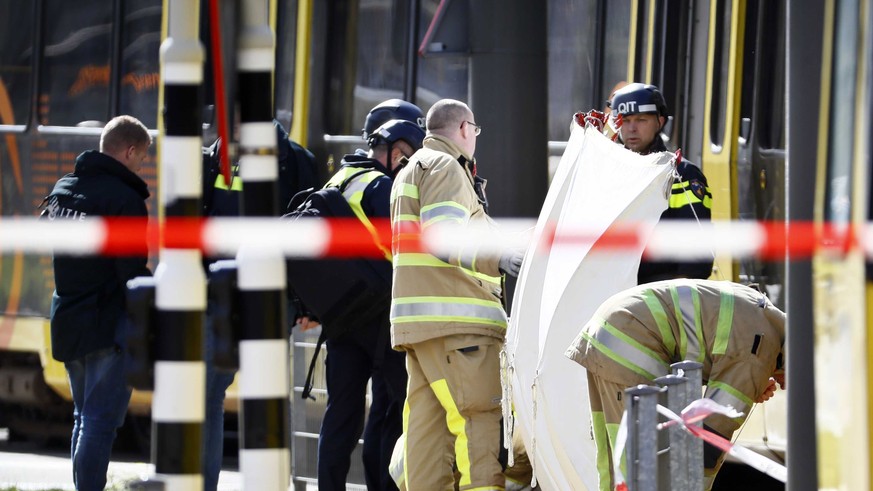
[(597, 185)]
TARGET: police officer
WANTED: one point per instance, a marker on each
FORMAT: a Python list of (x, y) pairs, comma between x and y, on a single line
[(733, 330), (644, 114), (365, 352), (88, 305)]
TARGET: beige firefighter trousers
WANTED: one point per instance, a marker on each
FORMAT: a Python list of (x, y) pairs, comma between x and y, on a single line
[(452, 414)]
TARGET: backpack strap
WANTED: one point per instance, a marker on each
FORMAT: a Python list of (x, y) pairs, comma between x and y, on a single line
[(342, 187), (307, 386)]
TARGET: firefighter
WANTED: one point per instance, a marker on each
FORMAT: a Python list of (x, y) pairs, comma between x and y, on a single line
[(364, 352), (644, 114), (733, 330), (447, 314)]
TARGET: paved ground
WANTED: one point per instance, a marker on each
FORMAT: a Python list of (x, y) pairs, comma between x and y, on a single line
[(47, 467)]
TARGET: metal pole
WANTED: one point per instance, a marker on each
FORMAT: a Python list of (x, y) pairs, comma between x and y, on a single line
[(693, 373), (803, 91), (510, 67), (676, 466), (178, 403), (410, 76), (642, 437), (265, 458)]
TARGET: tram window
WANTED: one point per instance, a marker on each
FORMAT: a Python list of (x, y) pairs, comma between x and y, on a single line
[(616, 45), (286, 43), (571, 45), (443, 76), (140, 76), (668, 59), (721, 54), (16, 49), (838, 193), (75, 62), (771, 114), (378, 75)]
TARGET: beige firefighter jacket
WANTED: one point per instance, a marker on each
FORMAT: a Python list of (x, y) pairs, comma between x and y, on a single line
[(733, 330), (434, 297)]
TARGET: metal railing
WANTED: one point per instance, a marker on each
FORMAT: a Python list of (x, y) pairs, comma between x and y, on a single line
[(670, 459)]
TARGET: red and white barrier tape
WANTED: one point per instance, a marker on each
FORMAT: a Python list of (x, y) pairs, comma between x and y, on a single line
[(686, 240), (695, 412)]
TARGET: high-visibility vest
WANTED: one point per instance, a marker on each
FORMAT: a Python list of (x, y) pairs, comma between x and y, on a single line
[(354, 194)]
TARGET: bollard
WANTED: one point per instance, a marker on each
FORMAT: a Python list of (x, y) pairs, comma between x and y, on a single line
[(673, 466), (693, 372), (642, 437), (179, 399), (264, 452)]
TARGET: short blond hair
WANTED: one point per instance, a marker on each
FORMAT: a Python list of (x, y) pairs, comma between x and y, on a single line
[(446, 113), (123, 132)]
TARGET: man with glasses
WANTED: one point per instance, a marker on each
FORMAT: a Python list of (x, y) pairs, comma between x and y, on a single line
[(447, 314), (364, 351)]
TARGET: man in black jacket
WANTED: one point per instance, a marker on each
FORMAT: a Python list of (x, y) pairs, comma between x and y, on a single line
[(88, 304), (363, 354), (644, 114)]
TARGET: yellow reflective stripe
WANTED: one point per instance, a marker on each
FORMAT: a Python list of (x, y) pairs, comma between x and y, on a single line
[(687, 302), (405, 432), (660, 316), (626, 351), (682, 195), (405, 190), (725, 323), (405, 218), (419, 259), (447, 309), (686, 198), (236, 183), (434, 298), (423, 259), (457, 426), (446, 210), (598, 425), (354, 194), (727, 395), (612, 430)]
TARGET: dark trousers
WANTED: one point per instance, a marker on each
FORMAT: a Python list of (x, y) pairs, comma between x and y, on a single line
[(351, 362)]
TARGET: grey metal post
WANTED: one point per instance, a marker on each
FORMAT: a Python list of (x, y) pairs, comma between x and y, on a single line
[(673, 470), (804, 29), (693, 372), (504, 68), (642, 437)]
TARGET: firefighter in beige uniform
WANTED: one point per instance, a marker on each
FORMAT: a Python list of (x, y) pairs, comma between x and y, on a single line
[(447, 314), (733, 330)]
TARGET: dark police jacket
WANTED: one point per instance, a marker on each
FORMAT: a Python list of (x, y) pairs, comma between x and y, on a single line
[(690, 199), (89, 297)]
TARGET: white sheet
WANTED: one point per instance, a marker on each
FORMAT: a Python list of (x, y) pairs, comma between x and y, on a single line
[(597, 185)]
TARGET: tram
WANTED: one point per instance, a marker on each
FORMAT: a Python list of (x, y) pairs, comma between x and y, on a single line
[(68, 67)]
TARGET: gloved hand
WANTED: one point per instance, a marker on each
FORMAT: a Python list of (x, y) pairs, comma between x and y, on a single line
[(510, 262)]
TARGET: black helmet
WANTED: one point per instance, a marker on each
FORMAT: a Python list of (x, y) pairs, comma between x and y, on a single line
[(392, 109), (638, 99), (397, 129)]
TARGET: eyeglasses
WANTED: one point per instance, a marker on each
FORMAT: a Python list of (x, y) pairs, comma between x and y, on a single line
[(474, 125)]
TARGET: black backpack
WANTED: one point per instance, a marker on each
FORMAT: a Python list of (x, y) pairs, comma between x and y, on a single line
[(342, 293)]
